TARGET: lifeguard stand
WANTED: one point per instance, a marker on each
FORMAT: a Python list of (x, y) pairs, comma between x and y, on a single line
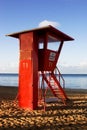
[(37, 56)]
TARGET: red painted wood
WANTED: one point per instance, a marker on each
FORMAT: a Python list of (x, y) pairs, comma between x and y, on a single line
[(28, 72), (33, 59)]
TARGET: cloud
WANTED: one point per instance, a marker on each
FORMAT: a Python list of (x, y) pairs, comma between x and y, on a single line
[(9, 68), (46, 23), (83, 64), (80, 68)]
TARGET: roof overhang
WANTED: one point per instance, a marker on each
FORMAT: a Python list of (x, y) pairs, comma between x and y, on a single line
[(62, 36)]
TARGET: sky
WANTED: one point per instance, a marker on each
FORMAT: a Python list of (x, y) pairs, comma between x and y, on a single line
[(69, 16)]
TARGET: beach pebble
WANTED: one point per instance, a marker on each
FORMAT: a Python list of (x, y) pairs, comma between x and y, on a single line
[(57, 116)]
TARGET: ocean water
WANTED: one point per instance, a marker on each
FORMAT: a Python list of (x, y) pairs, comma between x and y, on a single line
[(78, 81), (9, 79)]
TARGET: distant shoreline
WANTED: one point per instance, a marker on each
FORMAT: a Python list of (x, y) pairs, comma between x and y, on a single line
[(14, 89), (62, 73), (8, 92), (67, 89)]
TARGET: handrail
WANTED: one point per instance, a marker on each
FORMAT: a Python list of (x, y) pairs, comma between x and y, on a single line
[(60, 77), (59, 85)]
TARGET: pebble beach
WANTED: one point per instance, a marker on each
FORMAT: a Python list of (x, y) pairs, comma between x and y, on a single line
[(57, 116)]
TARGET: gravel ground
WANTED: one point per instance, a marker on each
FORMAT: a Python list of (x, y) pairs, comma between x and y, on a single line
[(56, 117)]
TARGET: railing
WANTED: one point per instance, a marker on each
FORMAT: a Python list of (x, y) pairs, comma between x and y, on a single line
[(46, 80), (60, 77)]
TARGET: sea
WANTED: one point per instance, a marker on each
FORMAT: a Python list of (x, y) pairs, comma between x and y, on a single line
[(72, 81)]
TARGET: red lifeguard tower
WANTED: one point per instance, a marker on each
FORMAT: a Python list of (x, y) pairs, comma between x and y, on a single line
[(37, 56)]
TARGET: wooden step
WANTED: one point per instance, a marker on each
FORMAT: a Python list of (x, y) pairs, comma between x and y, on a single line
[(58, 93), (55, 86)]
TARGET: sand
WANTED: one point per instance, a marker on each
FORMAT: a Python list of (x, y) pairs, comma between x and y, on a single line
[(56, 117)]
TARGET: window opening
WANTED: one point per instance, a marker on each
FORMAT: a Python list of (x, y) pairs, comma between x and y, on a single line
[(53, 43), (41, 43)]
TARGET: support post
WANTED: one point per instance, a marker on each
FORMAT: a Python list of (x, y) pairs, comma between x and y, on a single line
[(28, 72)]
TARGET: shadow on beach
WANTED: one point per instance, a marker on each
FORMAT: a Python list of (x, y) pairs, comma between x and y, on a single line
[(57, 116)]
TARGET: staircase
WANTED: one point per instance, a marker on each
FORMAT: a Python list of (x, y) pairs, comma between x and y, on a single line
[(53, 81)]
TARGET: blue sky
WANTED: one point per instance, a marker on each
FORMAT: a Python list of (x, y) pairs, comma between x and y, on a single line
[(69, 16)]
